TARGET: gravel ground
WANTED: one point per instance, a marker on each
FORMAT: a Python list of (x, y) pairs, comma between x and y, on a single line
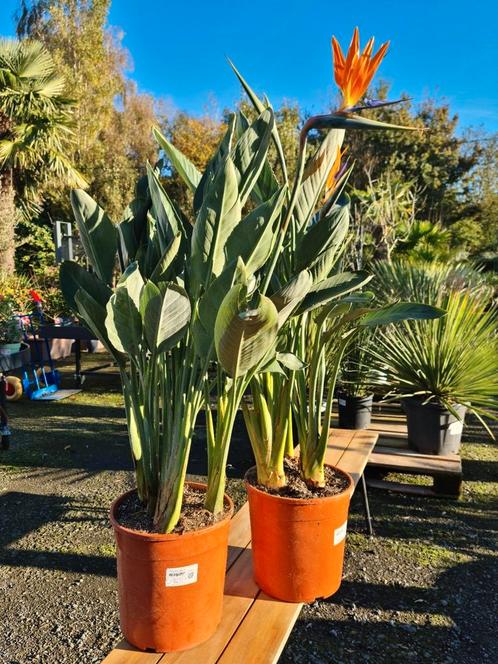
[(423, 589)]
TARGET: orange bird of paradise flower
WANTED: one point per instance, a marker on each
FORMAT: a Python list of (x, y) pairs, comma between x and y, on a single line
[(354, 73), (331, 179)]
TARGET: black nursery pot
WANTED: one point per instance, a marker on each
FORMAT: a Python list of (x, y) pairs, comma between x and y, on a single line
[(355, 412), (432, 429)]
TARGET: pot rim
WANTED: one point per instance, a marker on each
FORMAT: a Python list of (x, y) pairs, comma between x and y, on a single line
[(168, 537), (345, 395), (417, 401), (303, 501)]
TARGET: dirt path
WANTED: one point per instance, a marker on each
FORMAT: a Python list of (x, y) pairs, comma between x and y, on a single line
[(423, 590)]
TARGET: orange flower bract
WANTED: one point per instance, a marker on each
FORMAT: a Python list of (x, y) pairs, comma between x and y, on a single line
[(354, 73)]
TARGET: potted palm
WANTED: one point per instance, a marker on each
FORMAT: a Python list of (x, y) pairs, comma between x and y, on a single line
[(355, 392), (443, 369), (10, 330)]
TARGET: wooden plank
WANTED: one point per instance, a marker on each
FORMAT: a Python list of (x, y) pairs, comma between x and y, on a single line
[(240, 534), (263, 634), (355, 457), (401, 487), (452, 458), (123, 653), (407, 464), (240, 592)]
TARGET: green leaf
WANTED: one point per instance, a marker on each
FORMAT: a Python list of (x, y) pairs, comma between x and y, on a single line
[(182, 165), (73, 277), (98, 234), (160, 272), (252, 239), (333, 287), (174, 317), (218, 158), (150, 311), (219, 214), (260, 107), (287, 298), (290, 361), (167, 220), (124, 323), (94, 314), (244, 332), (401, 311), (315, 176), (132, 280), (249, 153), (319, 245)]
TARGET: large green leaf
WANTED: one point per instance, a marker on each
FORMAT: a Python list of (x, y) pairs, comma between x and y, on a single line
[(94, 314), (333, 287), (133, 226), (252, 239), (175, 316), (315, 176), (163, 266), (214, 163), (184, 167), (289, 296), (260, 107), (400, 311), (98, 234), (249, 153), (219, 214), (168, 222), (124, 323), (132, 280), (73, 277), (244, 332), (350, 121), (323, 240)]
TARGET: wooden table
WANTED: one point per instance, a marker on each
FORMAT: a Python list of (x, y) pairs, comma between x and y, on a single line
[(254, 627)]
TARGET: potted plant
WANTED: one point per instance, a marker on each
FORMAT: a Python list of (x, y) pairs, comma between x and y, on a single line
[(184, 292), (355, 394), (10, 330), (295, 502), (443, 369)]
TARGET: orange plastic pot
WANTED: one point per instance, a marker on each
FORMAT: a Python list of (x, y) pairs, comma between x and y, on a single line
[(298, 544), (171, 586)]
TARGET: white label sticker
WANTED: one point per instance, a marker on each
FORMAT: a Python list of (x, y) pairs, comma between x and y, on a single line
[(340, 533), (181, 576), (342, 402), (455, 428)]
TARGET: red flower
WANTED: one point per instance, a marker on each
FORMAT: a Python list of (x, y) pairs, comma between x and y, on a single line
[(34, 296)]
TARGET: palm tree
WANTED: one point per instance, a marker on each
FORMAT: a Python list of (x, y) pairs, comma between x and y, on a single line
[(35, 132)]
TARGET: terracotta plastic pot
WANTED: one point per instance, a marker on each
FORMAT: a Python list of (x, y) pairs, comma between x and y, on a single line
[(171, 586), (298, 544)]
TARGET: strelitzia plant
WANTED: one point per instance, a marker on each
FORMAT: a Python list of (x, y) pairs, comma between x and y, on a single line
[(309, 267)]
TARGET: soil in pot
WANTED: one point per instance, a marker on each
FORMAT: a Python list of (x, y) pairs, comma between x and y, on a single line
[(298, 534), (432, 429), (355, 412), (170, 586)]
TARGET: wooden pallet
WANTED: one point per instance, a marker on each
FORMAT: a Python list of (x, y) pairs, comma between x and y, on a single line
[(254, 627), (393, 454)]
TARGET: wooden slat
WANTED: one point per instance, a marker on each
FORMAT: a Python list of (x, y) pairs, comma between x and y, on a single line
[(123, 653), (416, 464), (240, 591), (401, 487), (355, 457), (263, 634), (382, 449)]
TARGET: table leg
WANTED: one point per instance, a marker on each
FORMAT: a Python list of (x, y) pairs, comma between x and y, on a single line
[(366, 506)]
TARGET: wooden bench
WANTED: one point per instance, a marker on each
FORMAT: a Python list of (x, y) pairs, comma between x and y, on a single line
[(392, 454), (254, 627)]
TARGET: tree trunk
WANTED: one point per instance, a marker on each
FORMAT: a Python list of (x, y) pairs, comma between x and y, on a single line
[(7, 222)]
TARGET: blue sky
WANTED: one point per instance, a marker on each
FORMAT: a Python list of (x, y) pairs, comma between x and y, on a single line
[(440, 48)]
